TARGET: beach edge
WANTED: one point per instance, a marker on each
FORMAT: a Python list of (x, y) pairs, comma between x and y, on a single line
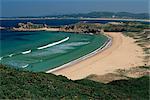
[(105, 46)]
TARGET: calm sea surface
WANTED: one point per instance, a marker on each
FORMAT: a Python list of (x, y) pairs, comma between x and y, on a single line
[(54, 22)]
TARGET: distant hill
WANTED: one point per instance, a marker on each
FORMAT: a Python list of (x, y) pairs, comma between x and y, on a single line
[(107, 15), (22, 85), (94, 15)]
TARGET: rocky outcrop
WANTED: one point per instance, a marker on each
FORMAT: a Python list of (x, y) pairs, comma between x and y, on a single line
[(83, 28), (30, 25), (33, 27)]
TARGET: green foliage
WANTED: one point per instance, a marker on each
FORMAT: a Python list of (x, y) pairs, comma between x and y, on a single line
[(134, 87), (108, 27), (106, 15), (17, 84), (126, 27)]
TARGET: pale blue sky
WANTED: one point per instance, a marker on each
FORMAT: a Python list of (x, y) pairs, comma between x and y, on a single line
[(11, 8)]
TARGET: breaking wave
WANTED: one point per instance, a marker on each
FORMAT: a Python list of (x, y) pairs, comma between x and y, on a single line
[(53, 44), (10, 55), (26, 52), (1, 58), (24, 66)]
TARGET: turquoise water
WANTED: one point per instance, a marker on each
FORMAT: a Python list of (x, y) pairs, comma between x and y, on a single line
[(41, 51)]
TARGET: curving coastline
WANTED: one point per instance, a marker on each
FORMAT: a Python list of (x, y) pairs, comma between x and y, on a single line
[(71, 69), (106, 45), (123, 53)]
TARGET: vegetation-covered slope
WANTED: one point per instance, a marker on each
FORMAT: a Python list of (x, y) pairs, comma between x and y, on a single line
[(96, 28), (17, 84), (107, 15)]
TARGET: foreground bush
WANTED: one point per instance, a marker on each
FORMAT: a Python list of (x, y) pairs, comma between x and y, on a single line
[(17, 84)]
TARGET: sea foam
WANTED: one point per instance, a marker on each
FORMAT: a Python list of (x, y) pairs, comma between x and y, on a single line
[(1, 58), (10, 55), (26, 52), (25, 66), (53, 44)]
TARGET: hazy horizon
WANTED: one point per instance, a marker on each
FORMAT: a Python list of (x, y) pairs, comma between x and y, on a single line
[(14, 8)]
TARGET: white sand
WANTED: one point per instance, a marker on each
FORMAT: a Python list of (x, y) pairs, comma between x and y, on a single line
[(123, 53)]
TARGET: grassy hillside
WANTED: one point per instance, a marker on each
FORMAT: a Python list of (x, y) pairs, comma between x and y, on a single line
[(17, 84), (107, 15), (96, 28)]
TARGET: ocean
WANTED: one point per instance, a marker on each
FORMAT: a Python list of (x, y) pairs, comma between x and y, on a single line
[(55, 22), (42, 51)]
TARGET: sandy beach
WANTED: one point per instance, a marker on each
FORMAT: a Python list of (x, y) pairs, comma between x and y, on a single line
[(126, 19), (122, 54)]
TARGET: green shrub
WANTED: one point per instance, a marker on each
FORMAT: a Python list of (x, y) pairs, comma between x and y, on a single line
[(17, 84)]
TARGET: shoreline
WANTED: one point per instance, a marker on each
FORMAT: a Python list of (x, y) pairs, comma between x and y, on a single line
[(115, 19), (117, 56), (106, 45)]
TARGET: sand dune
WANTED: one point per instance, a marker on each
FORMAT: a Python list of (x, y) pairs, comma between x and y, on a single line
[(122, 54)]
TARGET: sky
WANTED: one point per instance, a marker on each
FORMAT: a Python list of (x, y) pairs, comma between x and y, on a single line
[(14, 8)]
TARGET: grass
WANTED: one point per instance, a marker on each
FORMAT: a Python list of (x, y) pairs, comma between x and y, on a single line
[(17, 84)]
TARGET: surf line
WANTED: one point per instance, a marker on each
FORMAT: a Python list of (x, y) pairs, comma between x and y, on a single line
[(26, 52), (6, 56), (1, 58), (53, 44), (25, 66), (10, 55)]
